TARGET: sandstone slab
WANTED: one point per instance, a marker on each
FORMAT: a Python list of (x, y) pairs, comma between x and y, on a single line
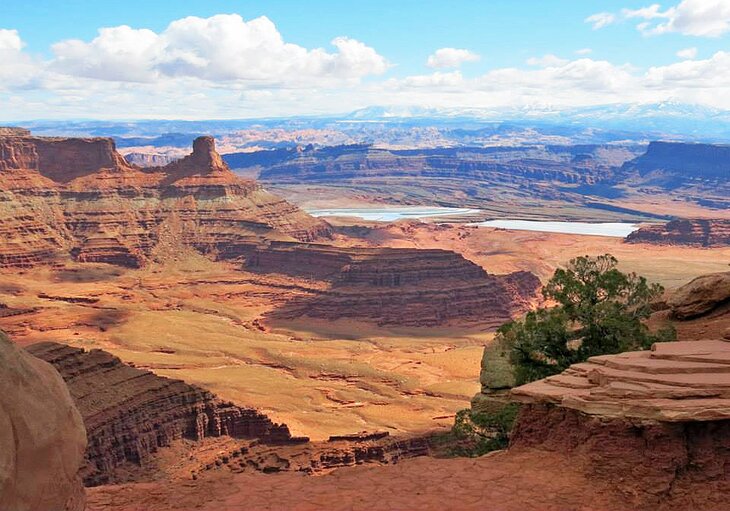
[(42, 436)]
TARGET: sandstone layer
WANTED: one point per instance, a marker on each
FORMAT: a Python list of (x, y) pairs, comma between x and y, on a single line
[(674, 382), (63, 196), (42, 437), (393, 286), (698, 233), (130, 413), (700, 296), (655, 424)]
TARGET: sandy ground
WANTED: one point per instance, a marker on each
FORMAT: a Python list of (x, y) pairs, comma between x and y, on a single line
[(539, 481)]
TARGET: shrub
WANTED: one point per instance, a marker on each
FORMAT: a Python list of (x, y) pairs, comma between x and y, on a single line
[(600, 310)]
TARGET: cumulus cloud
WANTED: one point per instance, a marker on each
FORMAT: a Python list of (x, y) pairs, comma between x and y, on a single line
[(225, 66), (687, 53), (17, 69), (451, 57), (582, 81), (702, 18), (712, 73), (10, 40), (584, 51), (224, 47), (600, 20)]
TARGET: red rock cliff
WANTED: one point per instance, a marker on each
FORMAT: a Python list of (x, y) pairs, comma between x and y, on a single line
[(654, 425), (700, 233), (397, 286), (80, 197), (130, 413)]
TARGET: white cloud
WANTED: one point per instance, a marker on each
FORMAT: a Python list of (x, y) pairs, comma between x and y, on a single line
[(584, 51), (711, 74), (600, 19), (651, 12), (548, 60), (223, 67), (17, 69), (224, 47), (10, 40), (702, 18), (437, 79), (687, 53), (451, 57)]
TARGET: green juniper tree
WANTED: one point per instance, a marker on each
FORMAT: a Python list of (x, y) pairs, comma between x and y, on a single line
[(599, 311)]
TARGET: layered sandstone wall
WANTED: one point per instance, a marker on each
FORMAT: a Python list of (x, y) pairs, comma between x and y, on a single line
[(359, 162), (130, 413), (692, 232), (406, 287), (684, 161), (80, 197)]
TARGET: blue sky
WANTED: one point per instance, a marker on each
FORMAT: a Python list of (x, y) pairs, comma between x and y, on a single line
[(383, 59)]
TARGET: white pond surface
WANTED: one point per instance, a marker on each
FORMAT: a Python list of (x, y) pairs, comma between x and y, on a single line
[(393, 213), (618, 230)]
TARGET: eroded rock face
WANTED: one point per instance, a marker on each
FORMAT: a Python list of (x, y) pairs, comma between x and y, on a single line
[(42, 436), (576, 164), (654, 465), (700, 296), (700, 233), (684, 162), (655, 424), (130, 413), (63, 196), (397, 286)]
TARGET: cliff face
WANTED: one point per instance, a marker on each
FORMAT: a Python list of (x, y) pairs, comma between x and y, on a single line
[(655, 424), (579, 164), (405, 287), (684, 162), (42, 437), (700, 233), (130, 413), (80, 197)]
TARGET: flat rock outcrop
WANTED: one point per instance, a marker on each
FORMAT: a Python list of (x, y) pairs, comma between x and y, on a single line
[(42, 436), (77, 196), (698, 233), (684, 162), (700, 296), (674, 382), (655, 424), (397, 286), (130, 413)]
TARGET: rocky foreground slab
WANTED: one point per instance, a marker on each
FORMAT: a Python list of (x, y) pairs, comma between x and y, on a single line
[(674, 382)]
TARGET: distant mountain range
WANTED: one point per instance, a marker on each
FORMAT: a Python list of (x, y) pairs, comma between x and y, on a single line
[(405, 126)]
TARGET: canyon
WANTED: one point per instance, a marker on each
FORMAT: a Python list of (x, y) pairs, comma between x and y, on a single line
[(220, 343), (130, 413), (80, 198), (582, 182), (639, 430)]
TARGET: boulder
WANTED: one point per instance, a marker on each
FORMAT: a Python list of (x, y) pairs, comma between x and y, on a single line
[(42, 436), (701, 295)]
